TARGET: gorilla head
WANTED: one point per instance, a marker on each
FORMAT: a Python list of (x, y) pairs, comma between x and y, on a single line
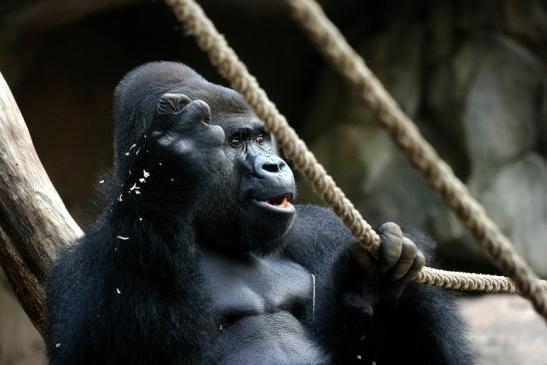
[(245, 189)]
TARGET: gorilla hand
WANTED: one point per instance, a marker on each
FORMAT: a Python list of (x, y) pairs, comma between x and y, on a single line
[(182, 127), (180, 153), (385, 279)]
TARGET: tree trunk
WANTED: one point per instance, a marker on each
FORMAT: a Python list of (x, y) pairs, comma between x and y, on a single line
[(34, 222)]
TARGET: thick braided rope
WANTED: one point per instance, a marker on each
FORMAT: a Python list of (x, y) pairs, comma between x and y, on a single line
[(370, 90), (223, 57), (465, 281)]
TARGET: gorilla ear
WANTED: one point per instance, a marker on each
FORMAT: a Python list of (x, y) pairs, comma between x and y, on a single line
[(171, 103)]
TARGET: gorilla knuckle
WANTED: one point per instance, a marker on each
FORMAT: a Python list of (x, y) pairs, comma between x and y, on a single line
[(409, 247), (172, 103), (202, 108), (420, 260), (195, 111), (217, 133), (391, 227)]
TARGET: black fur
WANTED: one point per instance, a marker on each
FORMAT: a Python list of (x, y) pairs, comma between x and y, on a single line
[(136, 289)]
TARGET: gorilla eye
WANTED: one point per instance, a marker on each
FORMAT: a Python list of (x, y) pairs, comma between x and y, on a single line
[(260, 139), (235, 142)]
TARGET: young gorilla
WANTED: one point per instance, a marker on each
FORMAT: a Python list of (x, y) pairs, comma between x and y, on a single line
[(202, 259)]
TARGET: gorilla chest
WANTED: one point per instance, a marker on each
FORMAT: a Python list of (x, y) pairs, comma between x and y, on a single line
[(254, 285), (260, 303)]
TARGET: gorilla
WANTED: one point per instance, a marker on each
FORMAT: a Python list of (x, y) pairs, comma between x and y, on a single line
[(201, 257)]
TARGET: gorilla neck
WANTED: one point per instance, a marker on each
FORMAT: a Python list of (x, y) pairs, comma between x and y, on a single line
[(225, 234), (237, 242)]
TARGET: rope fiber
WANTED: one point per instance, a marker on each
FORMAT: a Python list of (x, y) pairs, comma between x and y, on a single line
[(335, 48)]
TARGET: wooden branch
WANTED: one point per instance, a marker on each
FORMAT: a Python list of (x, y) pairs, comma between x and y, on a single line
[(34, 222)]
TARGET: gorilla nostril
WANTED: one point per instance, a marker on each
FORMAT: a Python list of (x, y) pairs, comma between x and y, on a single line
[(271, 167), (265, 165)]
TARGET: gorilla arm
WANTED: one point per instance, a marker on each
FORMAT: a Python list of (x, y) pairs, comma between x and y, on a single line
[(367, 309), (130, 291)]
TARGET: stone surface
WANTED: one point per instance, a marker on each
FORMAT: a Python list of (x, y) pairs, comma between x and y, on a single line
[(526, 20), (516, 198), (20, 343), (542, 122), (397, 64), (500, 85), (501, 104), (505, 330), (375, 175), (379, 177)]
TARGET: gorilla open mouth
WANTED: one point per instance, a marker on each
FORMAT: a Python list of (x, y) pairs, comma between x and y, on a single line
[(278, 203)]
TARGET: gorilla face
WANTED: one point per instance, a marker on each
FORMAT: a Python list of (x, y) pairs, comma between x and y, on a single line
[(241, 189), (250, 196)]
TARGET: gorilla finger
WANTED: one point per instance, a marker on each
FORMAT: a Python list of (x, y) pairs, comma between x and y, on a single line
[(408, 255), (171, 103), (391, 245), (417, 266), (206, 118), (195, 111), (217, 135), (363, 258), (391, 228)]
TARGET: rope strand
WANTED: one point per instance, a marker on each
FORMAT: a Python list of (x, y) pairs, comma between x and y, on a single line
[(332, 44), (207, 37)]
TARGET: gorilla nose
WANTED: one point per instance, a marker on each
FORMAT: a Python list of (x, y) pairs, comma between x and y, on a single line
[(271, 180), (265, 166)]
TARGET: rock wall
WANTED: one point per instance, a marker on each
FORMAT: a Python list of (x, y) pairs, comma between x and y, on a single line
[(476, 89), (20, 343)]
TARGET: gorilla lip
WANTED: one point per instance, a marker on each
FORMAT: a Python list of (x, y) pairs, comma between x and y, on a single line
[(278, 202)]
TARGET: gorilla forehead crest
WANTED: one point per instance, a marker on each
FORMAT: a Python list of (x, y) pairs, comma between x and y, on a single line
[(137, 95)]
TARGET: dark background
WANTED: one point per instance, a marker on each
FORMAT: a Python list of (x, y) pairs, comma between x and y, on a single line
[(472, 74)]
